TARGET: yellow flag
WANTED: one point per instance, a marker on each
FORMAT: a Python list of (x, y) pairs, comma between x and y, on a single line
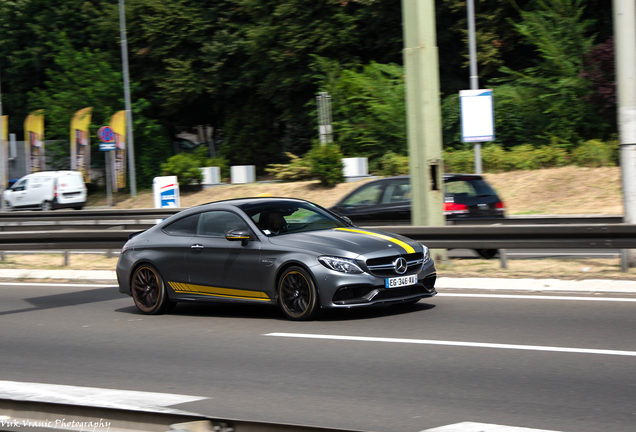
[(81, 143), (118, 124), (34, 141), (4, 148)]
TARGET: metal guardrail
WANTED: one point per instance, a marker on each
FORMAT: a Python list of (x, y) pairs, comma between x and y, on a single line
[(615, 236), (59, 216), (87, 215)]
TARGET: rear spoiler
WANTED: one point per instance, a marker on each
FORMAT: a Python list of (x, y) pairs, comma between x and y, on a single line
[(135, 234)]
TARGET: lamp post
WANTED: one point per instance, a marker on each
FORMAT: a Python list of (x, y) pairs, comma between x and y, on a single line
[(474, 78), (129, 135)]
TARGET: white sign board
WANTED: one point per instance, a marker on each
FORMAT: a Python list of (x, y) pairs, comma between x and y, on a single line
[(166, 192), (477, 115)]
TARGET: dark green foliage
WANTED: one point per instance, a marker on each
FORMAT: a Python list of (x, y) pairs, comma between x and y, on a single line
[(554, 86), (185, 166), (86, 79), (326, 163), (245, 66), (251, 134), (392, 164), (369, 114), (152, 146)]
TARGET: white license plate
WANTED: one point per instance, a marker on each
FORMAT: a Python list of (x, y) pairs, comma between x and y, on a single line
[(401, 281)]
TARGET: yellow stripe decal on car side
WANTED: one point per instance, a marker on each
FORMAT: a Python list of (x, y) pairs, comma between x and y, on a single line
[(218, 292), (400, 243)]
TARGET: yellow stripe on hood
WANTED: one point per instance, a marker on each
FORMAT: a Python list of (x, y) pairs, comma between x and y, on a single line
[(400, 243)]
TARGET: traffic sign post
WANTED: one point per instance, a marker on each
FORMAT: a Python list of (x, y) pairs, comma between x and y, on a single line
[(107, 143)]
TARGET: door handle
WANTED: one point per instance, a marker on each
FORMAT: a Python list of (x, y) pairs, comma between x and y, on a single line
[(196, 247)]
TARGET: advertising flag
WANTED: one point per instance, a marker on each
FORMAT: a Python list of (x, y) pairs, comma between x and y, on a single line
[(118, 124), (4, 147), (81, 143), (34, 141)]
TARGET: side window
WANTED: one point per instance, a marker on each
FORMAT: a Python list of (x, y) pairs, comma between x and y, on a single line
[(19, 186), (218, 223), (369, 195), (397, 192), (186, 226)]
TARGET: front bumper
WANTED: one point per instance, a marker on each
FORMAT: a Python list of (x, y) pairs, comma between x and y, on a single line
[(339, 290)]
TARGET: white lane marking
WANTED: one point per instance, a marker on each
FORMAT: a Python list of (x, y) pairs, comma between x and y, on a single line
[(62, 285), (610, 254), (457, 343), (536, 297), (482, 427), (92, 396)]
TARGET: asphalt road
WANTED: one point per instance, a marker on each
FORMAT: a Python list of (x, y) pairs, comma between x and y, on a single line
[(443, 361)]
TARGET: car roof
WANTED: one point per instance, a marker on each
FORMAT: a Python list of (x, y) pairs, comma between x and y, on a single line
[(239, 202)]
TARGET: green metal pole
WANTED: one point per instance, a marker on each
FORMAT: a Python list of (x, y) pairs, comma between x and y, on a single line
[(423, 114)]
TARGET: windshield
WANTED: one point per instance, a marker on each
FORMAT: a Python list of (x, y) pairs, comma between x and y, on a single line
[(467, 188), (284, 217)]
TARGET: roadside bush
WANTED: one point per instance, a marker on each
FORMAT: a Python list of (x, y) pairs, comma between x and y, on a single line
[(494, 158), (326, 163), (521, 157), (458, 161), (220, 162), (185, 166), (392, 164), (297, 169), (497, 159), (551, 156), (596, 153)]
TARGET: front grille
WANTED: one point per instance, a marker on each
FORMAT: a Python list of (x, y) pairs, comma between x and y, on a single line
[(384, 266), (367, 294)]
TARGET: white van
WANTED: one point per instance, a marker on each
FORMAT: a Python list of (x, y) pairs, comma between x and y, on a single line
[(47, 190)]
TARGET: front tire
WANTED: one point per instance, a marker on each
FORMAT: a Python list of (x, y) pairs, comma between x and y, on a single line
[(149, 291), (297, 294)]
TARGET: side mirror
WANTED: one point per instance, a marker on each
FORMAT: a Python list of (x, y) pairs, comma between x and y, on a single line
[(242, 235), (346, 219)]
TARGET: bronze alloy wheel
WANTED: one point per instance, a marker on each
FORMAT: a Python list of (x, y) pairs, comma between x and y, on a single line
[(149, 292), (297, 294)]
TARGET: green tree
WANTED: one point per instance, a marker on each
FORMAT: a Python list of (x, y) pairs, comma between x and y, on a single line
[(27, 30), (86, 78), (369, 114), (551, 93)]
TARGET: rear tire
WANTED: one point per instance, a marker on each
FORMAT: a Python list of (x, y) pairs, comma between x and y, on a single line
[(149, 291), (297, 294), (46, 206)]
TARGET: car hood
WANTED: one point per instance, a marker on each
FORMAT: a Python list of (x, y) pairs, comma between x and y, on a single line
[(349, 242)]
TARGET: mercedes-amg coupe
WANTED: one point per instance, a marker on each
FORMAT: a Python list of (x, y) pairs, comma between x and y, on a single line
[(286, 252)]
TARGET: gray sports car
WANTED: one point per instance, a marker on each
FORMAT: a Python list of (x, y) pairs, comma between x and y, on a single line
[(281, 251)]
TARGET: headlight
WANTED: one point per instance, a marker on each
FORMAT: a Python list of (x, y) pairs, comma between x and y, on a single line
[(344, 265), (427, 254)]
